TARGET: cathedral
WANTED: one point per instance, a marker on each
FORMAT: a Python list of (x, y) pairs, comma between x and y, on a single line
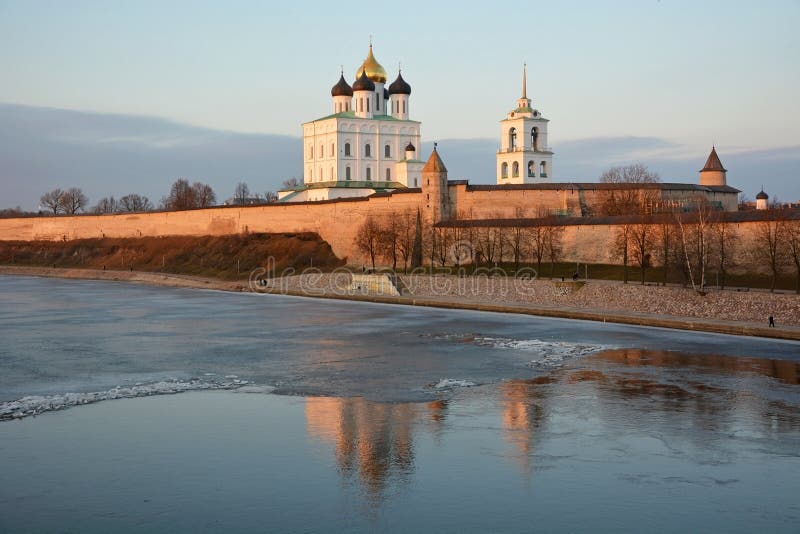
[(367, 145)]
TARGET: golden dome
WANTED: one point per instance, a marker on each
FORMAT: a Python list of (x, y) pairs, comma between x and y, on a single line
[(374, 69)]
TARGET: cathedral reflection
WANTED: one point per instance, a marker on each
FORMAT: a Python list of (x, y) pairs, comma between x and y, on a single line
[(372, 440)]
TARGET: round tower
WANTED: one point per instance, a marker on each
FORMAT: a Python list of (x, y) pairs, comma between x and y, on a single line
[(342, 95), (713, 173), (399, 91), (435, 193), (411, 151), (762, 200)]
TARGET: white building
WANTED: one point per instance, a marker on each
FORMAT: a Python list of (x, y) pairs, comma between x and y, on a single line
[(524, 156), (368, 144)]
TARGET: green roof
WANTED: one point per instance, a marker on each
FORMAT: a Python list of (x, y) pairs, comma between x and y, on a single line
[(347, 184), (352, 115)]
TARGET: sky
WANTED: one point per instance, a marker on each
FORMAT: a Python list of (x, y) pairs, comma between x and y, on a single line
[(688, 74)]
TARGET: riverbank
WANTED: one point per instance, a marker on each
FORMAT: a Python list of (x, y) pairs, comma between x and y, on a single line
[(726, 312)]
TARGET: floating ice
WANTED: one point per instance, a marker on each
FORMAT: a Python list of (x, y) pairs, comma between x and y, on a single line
[(34, 405), (550, 353), (450, 383)]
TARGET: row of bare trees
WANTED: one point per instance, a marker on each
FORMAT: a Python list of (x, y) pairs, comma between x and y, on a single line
[(700, 242), (403, 238)]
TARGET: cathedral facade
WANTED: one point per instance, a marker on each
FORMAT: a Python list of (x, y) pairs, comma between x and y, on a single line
[(367, 145)]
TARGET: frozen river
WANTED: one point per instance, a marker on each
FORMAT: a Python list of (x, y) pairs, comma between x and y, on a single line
[(392, 418)]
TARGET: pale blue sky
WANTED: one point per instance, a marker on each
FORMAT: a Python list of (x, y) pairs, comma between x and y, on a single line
[(692, 72)]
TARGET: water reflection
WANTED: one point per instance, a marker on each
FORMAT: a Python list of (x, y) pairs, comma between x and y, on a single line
[(688, 398), (372, 440)]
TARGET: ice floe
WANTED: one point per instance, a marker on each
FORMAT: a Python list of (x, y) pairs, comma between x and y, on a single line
[(37, 404), (450, 383)]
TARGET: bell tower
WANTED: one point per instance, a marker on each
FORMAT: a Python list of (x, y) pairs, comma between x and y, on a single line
[(524, 156)]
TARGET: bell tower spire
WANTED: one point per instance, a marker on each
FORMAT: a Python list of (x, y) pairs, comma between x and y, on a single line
[(524, 102)]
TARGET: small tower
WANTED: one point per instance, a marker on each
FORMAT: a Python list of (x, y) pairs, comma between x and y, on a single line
[(364, 96), (762, 199), (399, 92), (435, 193), (713, 173), (524, 156), (411, 151), (342, 95)]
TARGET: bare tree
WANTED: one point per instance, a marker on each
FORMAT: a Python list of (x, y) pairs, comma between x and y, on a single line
[(724, 248), (793, 244), (770, 245), (52, 200), (270, 197), (204, 195), (407, 232), (73, 200), (368, 238), (622, 241), (553, 237), (241, 193), (390, 238), (518, 240), (105, 205), (641, 236), (696, 242), (628, 198), (133, 203), (664, 244), (290, 183), (181, 196)]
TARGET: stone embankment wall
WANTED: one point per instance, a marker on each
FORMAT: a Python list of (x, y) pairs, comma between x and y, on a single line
[(751, 307)]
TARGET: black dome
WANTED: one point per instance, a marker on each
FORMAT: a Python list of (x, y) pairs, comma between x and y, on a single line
[(399, 86), (342, 88), (762, 195), (409, 146), (363, 83)]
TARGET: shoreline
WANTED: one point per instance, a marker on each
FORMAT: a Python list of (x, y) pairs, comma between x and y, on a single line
[(696, 324)]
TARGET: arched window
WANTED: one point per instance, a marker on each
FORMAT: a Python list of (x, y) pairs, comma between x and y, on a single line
[(388, 175), (369, 174), (543, 170), (404, 106), (347, 149), (504, 170), (512, 138), (367, 104), (311, 152), (535, 138), (415, 182), (387, 151), (367, 151), (531, 169), (347, 172), (377, 102), (515, 169)]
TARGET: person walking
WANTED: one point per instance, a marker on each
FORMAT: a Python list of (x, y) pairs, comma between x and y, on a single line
[(771, 322)]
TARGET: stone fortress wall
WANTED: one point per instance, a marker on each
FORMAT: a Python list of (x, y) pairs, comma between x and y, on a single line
[(336, 221)]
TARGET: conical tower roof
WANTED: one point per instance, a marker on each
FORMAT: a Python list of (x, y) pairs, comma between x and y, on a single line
[(435, 163), (713, 163)]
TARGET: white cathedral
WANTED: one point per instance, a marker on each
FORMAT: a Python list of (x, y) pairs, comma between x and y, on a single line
[(369, 144)]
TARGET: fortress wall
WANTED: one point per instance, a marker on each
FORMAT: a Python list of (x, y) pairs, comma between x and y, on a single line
[(336, 222)]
